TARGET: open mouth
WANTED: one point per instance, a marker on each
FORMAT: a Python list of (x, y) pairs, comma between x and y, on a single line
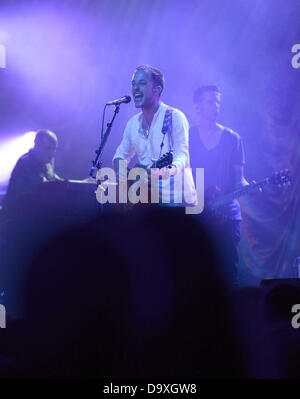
[(138, 97)]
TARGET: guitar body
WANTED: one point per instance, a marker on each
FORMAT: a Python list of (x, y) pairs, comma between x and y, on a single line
[(214, 215), (138, 191)]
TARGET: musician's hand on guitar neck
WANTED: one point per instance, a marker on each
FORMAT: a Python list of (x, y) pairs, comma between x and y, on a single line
[(258, 189), (254, 187)]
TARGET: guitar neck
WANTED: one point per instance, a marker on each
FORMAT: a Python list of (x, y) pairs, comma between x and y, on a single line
[(238, 193)]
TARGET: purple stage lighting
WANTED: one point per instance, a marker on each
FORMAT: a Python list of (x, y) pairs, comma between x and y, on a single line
[(10, 152)]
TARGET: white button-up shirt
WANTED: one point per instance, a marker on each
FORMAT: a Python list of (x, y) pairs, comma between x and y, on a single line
[(148, 147)]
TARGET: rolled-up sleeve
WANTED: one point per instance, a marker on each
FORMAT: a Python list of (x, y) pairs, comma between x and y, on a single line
[(180, 141)]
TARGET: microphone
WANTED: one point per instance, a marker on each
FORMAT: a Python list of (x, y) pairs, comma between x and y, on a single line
[(125, 99)]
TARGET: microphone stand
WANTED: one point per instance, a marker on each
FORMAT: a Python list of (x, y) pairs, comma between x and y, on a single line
[(97, 163)]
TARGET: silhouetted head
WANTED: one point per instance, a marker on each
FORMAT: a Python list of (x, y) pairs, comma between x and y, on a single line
[(45, 145)]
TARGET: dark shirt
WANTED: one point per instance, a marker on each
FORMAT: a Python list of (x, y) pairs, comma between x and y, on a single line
[(26, 175), (218, 164)]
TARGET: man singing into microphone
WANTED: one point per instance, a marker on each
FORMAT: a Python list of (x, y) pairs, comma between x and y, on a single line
[(153, 132)]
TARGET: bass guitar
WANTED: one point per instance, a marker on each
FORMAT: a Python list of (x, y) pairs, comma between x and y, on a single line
[(215, 198)]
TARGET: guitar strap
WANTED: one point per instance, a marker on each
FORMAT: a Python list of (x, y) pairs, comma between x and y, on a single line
[(167, 127)]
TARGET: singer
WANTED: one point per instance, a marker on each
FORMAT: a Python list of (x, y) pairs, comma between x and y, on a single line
[(153, 132)]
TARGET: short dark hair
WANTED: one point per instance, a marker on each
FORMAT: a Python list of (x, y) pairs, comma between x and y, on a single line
[(156, 75), (198, 94)]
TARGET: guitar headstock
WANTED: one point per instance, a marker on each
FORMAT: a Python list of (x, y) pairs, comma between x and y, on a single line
[(281, 178), (163, 161)]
